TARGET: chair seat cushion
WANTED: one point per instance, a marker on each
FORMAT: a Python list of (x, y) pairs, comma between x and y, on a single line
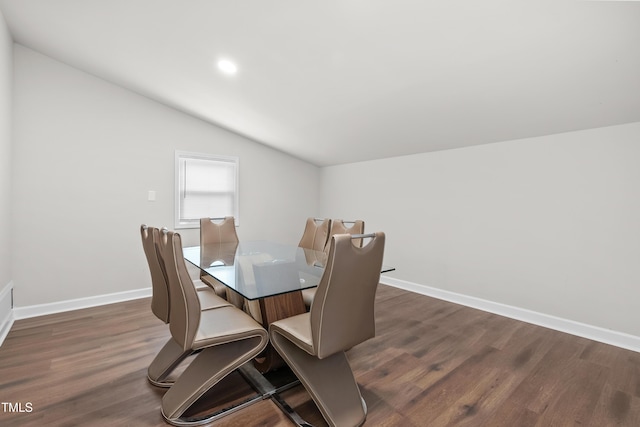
[(199, 284), (209, 299), (307, 296), (220, 289), (225, 324), (296, 329)]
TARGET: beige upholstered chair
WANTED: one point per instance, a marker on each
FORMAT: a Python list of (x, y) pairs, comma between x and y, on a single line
[(218, 232), (217, 237), (167, 359), (213, 234), (316, 232), (337, 226), (342, 315), (159, 288), (225, 337)]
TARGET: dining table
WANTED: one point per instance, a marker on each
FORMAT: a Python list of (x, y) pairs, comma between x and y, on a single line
[(272, 276)]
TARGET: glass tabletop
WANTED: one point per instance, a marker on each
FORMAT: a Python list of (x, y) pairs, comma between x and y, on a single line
[(259, 269)]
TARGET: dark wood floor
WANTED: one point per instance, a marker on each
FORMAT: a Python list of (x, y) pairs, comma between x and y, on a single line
[(432, 363)]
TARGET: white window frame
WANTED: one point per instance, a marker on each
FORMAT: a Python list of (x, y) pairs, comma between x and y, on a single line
[(181, 223)]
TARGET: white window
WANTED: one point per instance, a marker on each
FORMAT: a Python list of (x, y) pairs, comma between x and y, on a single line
[(206, 186)]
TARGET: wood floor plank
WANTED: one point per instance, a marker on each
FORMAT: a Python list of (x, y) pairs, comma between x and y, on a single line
[(431, 363)]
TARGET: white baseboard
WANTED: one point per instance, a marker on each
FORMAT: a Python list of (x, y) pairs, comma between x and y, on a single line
[(5, 327), (76, 304), (607, 336), (6, 311)]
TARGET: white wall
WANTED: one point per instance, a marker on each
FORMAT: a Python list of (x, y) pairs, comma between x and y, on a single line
[(86, 154), (6, 83), (548, 224)]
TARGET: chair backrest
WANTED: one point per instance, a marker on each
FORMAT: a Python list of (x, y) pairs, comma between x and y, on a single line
[(342, 312), (185, 304), (218, 232), (160, 290), (339, 226), (218, 254), (315, 234)]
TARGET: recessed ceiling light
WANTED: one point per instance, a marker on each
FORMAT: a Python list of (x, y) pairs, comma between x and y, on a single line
[(227, 66)]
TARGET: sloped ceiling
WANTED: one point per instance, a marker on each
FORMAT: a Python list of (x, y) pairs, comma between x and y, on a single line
[(342, 81)]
